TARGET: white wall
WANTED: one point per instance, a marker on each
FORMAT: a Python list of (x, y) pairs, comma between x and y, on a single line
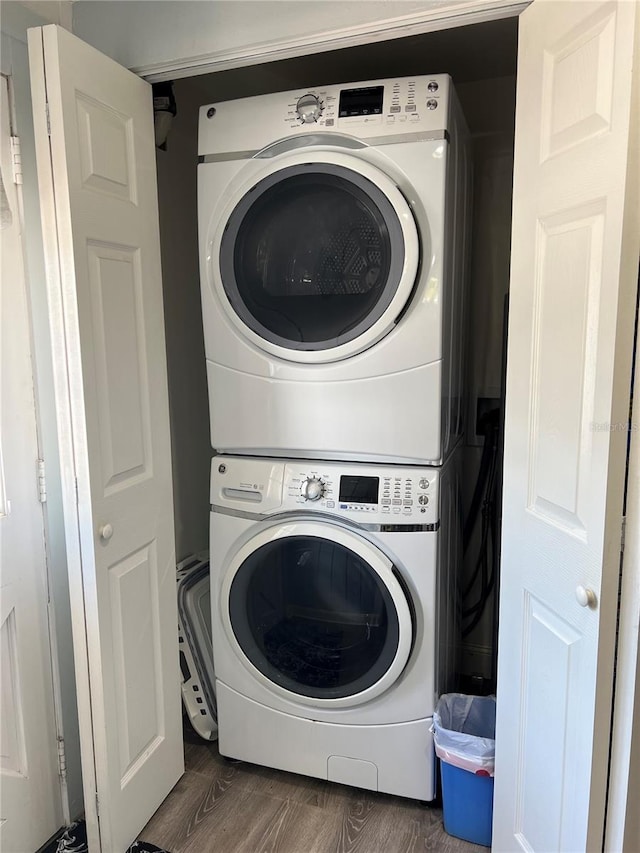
[(51, 11), (143, 34), (14, 62)]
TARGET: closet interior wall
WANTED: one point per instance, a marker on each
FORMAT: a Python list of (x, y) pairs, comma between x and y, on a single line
[(482, 60)]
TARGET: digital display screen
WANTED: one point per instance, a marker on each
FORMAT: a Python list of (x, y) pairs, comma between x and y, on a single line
[(361, 102), (359, 490)]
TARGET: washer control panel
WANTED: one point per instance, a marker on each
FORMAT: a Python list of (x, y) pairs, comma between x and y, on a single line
[(368, 494)]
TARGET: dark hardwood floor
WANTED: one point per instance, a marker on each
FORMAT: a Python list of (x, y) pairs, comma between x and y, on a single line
[(222, 806)]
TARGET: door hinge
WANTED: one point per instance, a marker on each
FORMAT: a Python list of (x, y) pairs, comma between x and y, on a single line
[(62, 759), (46, 106), (16, 160), (97, 805), (623, 533), (42, 481)]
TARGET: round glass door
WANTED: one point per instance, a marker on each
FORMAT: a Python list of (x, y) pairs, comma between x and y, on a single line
[(312, 256), (314, 617)]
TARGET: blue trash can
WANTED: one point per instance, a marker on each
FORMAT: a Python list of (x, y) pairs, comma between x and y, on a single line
[(464, 736)]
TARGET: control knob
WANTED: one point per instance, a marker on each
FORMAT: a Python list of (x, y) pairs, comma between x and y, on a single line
[(309, 108), (312, 489)]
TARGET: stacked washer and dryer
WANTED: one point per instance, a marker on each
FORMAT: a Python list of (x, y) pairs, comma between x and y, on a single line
[(333, 240)]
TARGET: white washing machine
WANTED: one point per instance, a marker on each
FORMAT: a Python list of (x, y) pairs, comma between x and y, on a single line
[(333, 241), (333, 590)]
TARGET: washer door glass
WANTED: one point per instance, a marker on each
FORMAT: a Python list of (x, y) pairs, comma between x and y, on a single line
[(312, 256), (314, 617)]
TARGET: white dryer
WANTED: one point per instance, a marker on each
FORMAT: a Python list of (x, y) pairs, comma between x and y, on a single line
[(333, 241), (333, 590)]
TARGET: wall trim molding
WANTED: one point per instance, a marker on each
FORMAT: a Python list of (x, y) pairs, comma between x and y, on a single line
[(443, 16)]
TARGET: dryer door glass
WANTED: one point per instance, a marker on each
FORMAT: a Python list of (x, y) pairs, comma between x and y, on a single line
[(312, 256), (313, 617)]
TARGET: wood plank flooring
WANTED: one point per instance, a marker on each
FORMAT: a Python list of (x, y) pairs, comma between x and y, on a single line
[(222, 806)]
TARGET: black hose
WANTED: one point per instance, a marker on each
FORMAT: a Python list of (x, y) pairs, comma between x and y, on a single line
[(476, 500), (485, 495), (485, 531), (488, 577)]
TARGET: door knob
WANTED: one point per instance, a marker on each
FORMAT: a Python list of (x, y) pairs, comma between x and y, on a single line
[(586, 597), (106, 532)]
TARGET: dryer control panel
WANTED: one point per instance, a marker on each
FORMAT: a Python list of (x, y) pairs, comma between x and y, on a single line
[(367, 494), (371, 110)]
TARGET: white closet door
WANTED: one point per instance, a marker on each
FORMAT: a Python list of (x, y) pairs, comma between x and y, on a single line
[(99, 208), (30, 803), (573, 284)]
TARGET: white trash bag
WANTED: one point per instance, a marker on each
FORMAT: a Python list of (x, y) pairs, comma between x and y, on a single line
[(464, 730)]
